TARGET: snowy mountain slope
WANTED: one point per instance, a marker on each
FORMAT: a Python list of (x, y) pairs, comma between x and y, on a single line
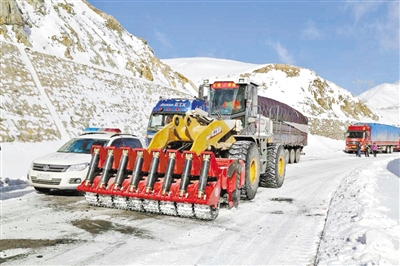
[(384, 99), (68, 60), (78, 31), (199, 68)]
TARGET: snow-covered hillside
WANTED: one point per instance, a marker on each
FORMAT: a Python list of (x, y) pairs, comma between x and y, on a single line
[(384, 99), (67, 60)]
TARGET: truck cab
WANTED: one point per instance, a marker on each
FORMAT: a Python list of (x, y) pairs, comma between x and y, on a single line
[(165, 109), (357, 133)]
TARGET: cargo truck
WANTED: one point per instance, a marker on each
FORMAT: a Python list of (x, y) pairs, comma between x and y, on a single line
[(386, 137)]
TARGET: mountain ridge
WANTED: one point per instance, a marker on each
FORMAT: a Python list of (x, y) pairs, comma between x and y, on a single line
[(104, 75)]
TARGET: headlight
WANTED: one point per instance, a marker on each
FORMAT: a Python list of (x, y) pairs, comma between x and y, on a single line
[(77, 167)]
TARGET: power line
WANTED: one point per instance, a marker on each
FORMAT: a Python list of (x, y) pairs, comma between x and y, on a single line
[(369, 83)]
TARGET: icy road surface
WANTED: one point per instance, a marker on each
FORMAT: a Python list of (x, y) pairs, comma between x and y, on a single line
[(280, 226)]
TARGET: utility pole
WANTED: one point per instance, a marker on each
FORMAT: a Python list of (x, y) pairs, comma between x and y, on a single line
[(358, 82)]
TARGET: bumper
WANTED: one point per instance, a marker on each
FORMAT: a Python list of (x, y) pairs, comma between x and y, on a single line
[(53, 180)]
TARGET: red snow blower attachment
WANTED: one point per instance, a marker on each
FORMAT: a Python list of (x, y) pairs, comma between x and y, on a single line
[(173, 183)]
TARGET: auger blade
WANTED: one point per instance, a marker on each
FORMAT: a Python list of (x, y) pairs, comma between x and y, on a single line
[(135, 204), (205, 212), (151, 206), (168, 208), (185, 209), (121, 203), (105, 200), (91, 198)]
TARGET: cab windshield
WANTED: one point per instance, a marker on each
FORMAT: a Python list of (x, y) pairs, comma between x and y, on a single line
[(81, 145), (355, 134), (158, 121), (227, 101)]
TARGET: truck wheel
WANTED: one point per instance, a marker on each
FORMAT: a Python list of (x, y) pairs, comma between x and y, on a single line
[(248, 152), (291, 156), (287, 155), (297, 155), (276, 168), (42, 190)]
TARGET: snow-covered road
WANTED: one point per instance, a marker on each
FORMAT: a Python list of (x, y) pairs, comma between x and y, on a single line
[(280, 226)]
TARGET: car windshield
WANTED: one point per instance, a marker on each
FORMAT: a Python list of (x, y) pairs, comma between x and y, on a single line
[(81, 145)]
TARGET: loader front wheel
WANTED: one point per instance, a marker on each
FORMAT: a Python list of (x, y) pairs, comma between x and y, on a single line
[(248, 152)]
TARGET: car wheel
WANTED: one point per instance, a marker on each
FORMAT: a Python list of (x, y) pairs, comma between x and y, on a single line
[(42, 190)]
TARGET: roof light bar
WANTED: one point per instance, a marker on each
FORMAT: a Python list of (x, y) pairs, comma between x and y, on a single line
[(102, 130)]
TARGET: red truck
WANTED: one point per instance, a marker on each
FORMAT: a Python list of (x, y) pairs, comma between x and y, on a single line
[(385, 136)]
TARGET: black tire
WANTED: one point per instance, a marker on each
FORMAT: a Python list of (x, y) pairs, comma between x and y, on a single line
[(291, 156), (248, 152), (42, 190), (297, 155), (276, 168)]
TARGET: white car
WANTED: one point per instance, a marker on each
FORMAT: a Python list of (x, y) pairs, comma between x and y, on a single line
[(67, 168)]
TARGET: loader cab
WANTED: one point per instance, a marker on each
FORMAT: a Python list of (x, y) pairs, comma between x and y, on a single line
[(227, 98), (233, 100)]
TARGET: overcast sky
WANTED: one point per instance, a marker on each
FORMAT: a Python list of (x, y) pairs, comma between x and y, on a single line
[(343, 41)]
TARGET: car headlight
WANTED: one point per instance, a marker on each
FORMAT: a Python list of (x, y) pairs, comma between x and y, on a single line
[(77, 167)]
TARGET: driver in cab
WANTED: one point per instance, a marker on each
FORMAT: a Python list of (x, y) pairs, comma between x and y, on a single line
[(235, 104)]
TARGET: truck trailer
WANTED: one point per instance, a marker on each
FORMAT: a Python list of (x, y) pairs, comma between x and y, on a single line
[(386, 137)]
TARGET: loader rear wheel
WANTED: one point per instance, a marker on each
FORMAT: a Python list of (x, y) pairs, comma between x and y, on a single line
[(248, 152), (276, 168)]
